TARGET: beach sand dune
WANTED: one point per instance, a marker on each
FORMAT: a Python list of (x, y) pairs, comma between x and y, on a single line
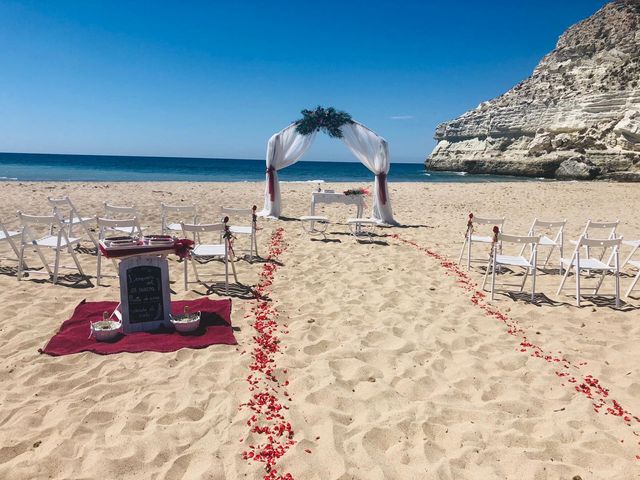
[(394, 373)]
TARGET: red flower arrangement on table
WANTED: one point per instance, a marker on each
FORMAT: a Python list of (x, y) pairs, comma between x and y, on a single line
[(357, 191), (268, 419), (588, 386)]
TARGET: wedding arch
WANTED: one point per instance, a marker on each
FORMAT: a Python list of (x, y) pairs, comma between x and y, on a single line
[(289, 145)]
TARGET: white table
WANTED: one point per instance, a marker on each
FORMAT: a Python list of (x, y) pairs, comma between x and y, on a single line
[(333, 197)]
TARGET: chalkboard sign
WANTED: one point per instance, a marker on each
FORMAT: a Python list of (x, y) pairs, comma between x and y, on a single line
[(144, 293)]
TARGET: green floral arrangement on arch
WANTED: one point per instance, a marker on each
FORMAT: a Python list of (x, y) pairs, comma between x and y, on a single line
[(329, 120)]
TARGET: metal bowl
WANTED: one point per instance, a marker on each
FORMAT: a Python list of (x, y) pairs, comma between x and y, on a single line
[(105, 330), (185, 322)]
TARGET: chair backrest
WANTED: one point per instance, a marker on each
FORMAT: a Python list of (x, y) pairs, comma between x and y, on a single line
[(600, 242), (236, 211), (611, 226), (179, 211), (549, 226), (248, 213), (488, 221), (52, 222), (203, 227), (110, 210), (48, 220), (521, 240), (104, 224), (59, 202), (178, 208)]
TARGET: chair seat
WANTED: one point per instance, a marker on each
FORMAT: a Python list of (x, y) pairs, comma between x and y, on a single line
[(77, 220), (634, 263), (52, 241), (632, 243), (590, 264), (11, 234), (205, 250), (314, 218), (241, 230), (174, 227), (362, 221), (481, 239), (544, 240), (513, 260)]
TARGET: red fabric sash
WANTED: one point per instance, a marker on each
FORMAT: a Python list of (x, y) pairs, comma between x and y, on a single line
[(272, 183), (382, 187)]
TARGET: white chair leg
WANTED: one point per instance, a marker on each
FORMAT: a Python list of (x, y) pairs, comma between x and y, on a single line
[(524, 280), (597, 289), (548, 257), (21, 263), (55, 266), (43, 259), (486, 274), (186, 273), (564, 279), (98, 268), (617, 274), (226, 275), (195, 269), (90, 235), (469, 254), (633, 251), (464, 244), (578, 286), (75, 260), (255, 243), (633, 284), (493, 278), (533, 285)]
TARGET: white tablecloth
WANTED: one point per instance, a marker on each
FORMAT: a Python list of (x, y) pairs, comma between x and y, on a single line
[(326, 197)]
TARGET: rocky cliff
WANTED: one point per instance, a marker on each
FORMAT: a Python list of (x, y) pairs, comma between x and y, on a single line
[(577, 115)]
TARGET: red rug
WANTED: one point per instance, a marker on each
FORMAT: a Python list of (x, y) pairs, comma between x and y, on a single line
[(73, 336)]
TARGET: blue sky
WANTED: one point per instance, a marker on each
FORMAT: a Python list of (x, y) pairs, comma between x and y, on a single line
[(216, 79)]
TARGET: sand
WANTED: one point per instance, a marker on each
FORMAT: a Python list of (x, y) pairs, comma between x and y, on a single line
[(393, 371)]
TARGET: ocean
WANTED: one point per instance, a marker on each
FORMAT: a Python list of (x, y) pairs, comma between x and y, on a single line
[(103, 168)]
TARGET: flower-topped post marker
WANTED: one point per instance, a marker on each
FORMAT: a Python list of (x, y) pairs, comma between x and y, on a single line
[(329, 120), (469, 226)]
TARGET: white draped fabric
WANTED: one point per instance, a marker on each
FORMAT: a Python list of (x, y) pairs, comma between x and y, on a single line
[(373, 151), (284, 148), (287, 147)]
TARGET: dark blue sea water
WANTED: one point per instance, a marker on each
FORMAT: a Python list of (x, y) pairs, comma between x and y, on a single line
[(98, 168)]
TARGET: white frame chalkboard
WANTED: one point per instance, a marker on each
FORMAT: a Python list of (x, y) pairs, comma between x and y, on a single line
[(144, 261)]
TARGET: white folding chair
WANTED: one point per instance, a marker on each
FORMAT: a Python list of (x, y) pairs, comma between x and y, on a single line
[(602, 228), (590, 264), (251, 229), (497, 259), (470, 237), (208, 251), (55, 238), (110, 225), (182, 212), (69, 217), (539, 228), (114, 212), (10, 236)]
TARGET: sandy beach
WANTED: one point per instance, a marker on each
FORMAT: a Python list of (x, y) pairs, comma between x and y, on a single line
[(393, 371)]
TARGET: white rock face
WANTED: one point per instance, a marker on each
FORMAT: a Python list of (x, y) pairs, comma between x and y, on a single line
[(583, 99)]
